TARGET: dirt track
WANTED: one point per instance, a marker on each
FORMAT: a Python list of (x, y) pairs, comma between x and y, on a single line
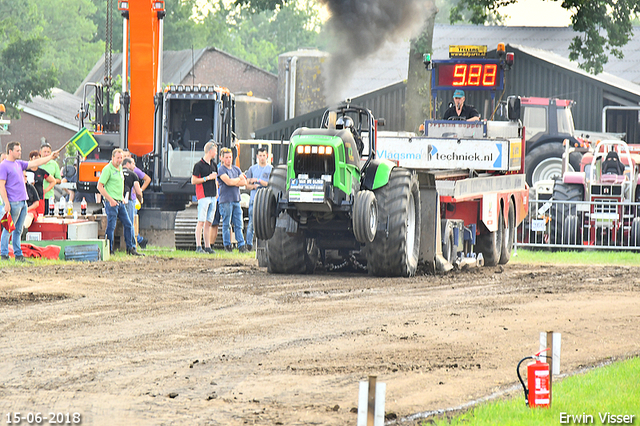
[(220, 342)]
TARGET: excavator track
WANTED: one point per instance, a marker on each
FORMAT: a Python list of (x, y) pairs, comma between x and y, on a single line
[(185, 228)]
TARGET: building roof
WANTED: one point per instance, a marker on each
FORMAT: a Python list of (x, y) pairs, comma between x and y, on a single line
[(60, 109), (390, 64), (176, 65), (604, 77)]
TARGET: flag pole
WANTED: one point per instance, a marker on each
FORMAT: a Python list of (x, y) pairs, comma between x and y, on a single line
[(63, 146)]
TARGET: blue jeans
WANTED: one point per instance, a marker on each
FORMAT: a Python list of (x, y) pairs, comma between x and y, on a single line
[(131, 211), (231, 212), (18, 214), (250, 225), (113, 214)]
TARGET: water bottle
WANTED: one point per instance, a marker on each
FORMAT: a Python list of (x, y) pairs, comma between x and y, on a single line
[(70, 208), (52, 206), (61, 206), (83, 207)]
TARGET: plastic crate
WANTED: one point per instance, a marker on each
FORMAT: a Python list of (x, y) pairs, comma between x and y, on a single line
[(82, 253)]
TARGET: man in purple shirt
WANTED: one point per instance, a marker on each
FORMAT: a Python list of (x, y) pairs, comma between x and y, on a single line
[(14, 194)]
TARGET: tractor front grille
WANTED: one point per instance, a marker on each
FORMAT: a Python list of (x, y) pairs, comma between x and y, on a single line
[(313, 164), (606, 190)]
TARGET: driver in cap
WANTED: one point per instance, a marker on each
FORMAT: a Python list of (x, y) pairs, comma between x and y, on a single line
[(459, 111)]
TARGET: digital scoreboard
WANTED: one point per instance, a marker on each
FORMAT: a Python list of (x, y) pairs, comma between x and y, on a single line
[(467, 74)]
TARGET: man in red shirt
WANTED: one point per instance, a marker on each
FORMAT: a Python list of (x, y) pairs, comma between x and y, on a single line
[(203, 177)]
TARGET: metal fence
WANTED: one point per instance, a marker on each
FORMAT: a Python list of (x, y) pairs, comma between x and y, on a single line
[(570, 225)]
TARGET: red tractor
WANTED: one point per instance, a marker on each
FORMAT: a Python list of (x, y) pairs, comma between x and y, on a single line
[(598, 204), (548, 122)]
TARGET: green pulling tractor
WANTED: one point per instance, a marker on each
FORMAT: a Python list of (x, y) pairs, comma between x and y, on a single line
[(334, 203)]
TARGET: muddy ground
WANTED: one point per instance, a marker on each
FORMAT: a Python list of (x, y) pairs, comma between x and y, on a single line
[(211, 341)]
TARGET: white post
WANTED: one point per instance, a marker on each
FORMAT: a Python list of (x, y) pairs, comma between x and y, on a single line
[(378, 403)]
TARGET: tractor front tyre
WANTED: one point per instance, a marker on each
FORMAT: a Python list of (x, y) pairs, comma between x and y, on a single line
[(571, 235), (490, 244), (634, 238), (395, 249), (365, 216), (565, 196), (290, 253), (448, 249), (264, 213), (509, 235)]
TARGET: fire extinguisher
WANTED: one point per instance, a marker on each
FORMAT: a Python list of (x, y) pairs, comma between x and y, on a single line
[(538, 379)]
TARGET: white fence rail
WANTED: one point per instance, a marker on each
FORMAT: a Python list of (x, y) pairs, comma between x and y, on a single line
[(578, 225)]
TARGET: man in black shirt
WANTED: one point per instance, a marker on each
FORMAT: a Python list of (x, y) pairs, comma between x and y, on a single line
[(131, 181), (203, 177), (37, 176), (32, 203), (460, 111)]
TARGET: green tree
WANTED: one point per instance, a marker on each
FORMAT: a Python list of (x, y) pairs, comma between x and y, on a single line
[(183, 26), (22, 47), (71, 33), (259, 36), (603, 26)]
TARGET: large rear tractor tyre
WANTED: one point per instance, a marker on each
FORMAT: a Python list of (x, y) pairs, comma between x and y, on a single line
[(570, 193), (509, 236), (490, 244), (265, 205), (544, 162), (365, 216), (395, 250)]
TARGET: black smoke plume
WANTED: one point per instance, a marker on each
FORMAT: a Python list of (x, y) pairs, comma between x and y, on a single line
[(359, 28)]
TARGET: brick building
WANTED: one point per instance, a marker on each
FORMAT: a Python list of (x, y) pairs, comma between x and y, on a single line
[(202, 66), (41, 119)]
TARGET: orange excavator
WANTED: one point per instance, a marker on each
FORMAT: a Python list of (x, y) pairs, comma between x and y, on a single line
[(165, 128)]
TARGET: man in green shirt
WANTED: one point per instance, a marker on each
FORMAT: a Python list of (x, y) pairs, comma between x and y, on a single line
[(53, 169), (111, 186)]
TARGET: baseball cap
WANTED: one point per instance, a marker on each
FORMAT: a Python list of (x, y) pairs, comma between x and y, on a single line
[(458, 94)]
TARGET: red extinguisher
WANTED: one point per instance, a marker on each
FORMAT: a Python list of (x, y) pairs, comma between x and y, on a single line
[(538, 379)]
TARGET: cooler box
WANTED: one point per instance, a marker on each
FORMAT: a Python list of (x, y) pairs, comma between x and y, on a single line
[(83, 231), (50, 230)]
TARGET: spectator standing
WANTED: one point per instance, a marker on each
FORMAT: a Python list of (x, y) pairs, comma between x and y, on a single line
[(144, 180), (132, 186), (37, 176), (33, 203), (69, 175), (111, 187), (257, 177), (53, 169), (203, 177), (14, 195), (230, 179), (2, 157)]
